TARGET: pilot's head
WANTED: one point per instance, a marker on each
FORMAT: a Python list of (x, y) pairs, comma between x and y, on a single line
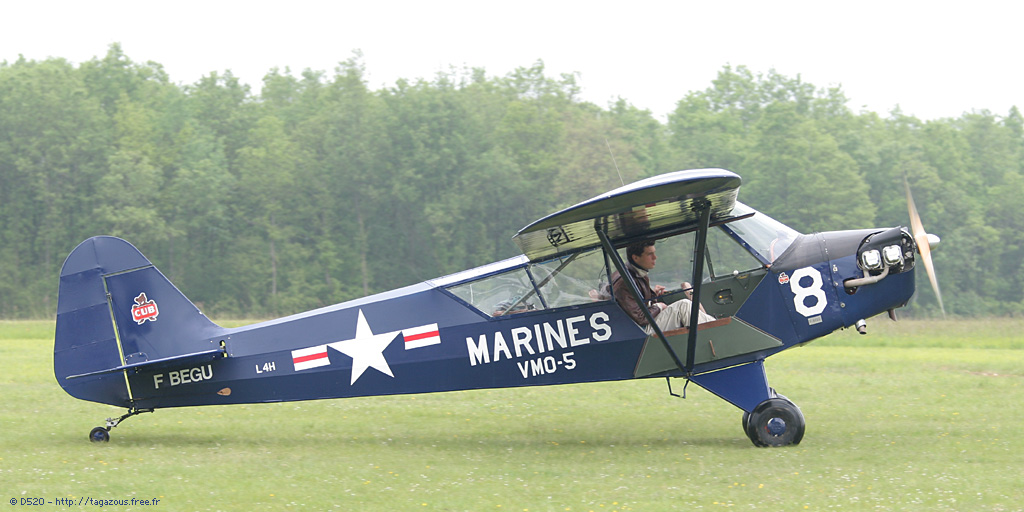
[(641, 254)]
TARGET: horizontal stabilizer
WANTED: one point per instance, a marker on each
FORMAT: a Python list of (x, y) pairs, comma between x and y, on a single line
[(182, 360)]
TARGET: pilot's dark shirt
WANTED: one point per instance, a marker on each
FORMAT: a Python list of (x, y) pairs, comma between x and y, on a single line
[(620, 288)]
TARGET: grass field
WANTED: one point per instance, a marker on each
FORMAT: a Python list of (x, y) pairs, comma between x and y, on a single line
[(913, 416)]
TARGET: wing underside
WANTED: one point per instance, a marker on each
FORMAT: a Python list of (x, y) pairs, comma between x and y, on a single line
[(658, 204)]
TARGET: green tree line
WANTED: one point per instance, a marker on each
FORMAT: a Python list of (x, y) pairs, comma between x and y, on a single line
[(319, 189)]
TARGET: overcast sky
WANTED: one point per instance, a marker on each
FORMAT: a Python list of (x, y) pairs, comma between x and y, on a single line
[(934, 59)]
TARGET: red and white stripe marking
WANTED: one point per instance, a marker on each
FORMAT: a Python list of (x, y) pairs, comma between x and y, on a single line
[(312, 357), (422, 336)]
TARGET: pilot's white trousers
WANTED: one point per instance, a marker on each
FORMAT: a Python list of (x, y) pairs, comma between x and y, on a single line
[(677, 315)]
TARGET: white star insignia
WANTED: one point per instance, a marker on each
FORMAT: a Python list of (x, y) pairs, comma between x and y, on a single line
[(366, 349)]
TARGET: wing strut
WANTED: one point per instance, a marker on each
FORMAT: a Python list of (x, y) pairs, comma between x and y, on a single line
[(600, 228), (699, 251)]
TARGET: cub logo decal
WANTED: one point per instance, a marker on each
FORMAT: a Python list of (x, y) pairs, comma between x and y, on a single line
[(144, 309), (783, 278)]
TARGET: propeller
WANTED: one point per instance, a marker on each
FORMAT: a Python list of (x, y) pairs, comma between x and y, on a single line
[(925, 242)]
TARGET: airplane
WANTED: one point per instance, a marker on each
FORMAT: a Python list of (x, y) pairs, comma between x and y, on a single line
[(127, 337)]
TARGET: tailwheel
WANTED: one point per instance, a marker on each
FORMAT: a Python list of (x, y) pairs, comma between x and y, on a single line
[(99, 435), (775, 422), (102, 434)]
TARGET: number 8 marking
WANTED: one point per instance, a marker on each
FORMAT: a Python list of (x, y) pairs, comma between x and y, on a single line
[(802, 292)]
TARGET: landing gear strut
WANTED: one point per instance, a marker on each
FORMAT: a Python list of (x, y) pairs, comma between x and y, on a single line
[(775, 422), (102, 434)]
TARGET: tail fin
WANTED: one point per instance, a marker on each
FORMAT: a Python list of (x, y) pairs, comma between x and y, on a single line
[(116, 311)]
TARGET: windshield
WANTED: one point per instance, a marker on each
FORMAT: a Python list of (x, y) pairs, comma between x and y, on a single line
[(765, 235)]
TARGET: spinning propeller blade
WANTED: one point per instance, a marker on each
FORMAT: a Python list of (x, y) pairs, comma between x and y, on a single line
[(924, 244)]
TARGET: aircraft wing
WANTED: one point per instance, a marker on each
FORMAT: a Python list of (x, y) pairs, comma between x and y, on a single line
[(660, 203)]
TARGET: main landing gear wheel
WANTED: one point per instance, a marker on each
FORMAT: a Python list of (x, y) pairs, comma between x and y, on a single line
[(99, 435), (775, 422)]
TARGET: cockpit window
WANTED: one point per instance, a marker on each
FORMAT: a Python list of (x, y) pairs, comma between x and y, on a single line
[(564, 281), (582, 278), (726, 256), (571, 280), (675, 261), (730, 248), (501, 294), (763, 234)]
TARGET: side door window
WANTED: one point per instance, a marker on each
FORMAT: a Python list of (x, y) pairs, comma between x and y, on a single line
[(675, 261), (726, 256)]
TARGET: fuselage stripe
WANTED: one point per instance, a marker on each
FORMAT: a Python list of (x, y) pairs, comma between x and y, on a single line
[(311, 357), (421, 336)]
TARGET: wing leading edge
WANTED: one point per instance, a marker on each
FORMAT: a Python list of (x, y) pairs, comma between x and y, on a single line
[(658, 203)]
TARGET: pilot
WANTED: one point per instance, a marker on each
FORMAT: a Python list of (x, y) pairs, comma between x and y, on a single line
[(641, 258)]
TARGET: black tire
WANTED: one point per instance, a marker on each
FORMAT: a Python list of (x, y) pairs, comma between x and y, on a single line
[(750, 432), (776, 422), (99, 435)]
